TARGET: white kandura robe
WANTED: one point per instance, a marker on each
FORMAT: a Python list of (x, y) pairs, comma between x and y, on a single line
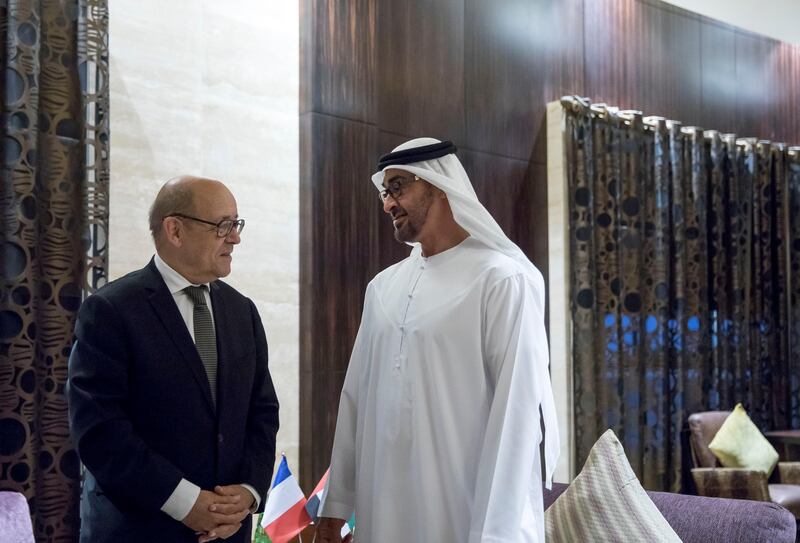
[(438, 432)]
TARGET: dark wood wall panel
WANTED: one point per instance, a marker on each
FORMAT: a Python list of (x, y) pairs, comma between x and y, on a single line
[(718, 77), (509, 189), (785, 69), (375, 73), (755, 86), (789, 95), (514, 69), (421, 67), (645, 57), (337, 58), (322, 384), (340, 214)]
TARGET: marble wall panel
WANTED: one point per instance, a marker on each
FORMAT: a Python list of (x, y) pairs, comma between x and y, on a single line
[(211, 88)]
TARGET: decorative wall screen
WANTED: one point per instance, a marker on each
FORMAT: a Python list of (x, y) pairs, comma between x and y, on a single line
[(53, 223)]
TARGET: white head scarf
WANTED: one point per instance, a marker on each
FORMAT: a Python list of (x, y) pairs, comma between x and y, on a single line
[(447, 174)]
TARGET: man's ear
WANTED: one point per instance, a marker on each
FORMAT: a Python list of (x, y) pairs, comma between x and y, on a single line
[(173, 231)]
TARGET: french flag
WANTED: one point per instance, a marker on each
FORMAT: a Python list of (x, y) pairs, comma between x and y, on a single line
[(285, 513)]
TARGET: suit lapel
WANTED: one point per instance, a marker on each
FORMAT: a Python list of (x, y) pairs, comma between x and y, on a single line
[(164, 306)]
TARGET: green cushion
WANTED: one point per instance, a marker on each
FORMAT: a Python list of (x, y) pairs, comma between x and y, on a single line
[(739, 444)]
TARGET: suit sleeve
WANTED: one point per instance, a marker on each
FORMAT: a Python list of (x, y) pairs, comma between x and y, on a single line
[(262, 419), (128, 471)]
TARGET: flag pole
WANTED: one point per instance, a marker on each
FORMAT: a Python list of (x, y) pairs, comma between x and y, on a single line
[(300, 535)]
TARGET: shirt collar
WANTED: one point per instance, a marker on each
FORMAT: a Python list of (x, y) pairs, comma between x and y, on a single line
[(448, 254), (174, 280)]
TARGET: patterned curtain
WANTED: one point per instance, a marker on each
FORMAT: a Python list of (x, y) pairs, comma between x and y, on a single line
[(53, 225), (685, 261)]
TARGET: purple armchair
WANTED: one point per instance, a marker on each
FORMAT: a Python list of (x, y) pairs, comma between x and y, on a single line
[(711, 479)]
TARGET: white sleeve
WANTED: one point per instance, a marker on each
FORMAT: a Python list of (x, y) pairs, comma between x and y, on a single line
[(182, 499), (515, 347)]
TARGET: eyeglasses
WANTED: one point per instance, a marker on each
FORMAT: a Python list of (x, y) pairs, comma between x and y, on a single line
[(395, 187), (224, 227)]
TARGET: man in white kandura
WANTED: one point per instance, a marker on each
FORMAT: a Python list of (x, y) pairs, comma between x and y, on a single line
[(438, 433)]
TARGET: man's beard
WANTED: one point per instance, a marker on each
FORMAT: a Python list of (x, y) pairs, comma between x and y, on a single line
[(412, 221), (406, 233)]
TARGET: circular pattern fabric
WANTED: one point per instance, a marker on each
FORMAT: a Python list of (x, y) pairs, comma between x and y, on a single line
[(52, 248), (683, 262)]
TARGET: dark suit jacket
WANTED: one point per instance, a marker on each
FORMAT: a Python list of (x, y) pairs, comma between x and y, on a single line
[(141, 413)]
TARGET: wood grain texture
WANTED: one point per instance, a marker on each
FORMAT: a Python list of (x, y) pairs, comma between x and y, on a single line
[(509, 188), (522, 54), (314, 387), (718, 77), (645, 57), (755, 86), (337, 58), (375, 73), (339, 215), (420, 72), (786, 99)]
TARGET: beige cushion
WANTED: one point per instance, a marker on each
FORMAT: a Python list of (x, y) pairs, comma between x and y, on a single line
[(605, 502), (739, 444)]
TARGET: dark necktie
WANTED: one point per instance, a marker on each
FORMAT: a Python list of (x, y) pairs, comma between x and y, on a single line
[(205, 339)]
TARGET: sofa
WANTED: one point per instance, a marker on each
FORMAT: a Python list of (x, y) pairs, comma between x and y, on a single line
[(15, 520), (716, 520)]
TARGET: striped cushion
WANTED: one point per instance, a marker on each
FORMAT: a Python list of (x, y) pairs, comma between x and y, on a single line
[(605, 502)]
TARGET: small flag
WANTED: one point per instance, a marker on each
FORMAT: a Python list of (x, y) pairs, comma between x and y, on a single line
[(315, 500), (285, 513), (349, 526)]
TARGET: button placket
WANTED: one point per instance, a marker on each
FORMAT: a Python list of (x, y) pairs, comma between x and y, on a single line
[(400, 359)]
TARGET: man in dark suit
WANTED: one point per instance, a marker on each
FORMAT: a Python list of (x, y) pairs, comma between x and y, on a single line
[(171, 404)]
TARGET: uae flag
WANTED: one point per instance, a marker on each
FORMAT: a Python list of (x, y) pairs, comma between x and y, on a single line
[(315, 500)]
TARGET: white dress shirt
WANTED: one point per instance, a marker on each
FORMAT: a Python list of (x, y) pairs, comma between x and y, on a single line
[(183, 498)]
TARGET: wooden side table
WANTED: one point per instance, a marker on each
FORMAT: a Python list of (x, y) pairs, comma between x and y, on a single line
[(786, 441)]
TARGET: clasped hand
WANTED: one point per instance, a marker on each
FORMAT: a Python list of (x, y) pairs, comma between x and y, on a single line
[(219, 514)]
